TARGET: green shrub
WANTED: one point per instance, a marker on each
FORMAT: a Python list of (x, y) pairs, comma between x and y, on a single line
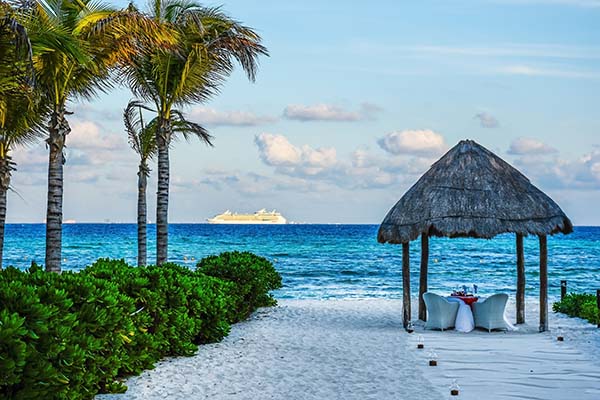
[(253, 278), (72, 335), (75, 336), (177, 307), (580, 305)]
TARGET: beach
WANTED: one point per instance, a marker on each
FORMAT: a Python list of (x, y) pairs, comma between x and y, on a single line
[(357, 349)]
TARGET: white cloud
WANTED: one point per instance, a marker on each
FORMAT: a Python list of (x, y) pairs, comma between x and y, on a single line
[(87, 142), (487, 120), (86, 135), (91, 111), (424, 142), (321, 169), (91, 144), (247, 183), (528, 146), (92, 156), (328, 112), (31, 159), (211, 117), (526, 50), (276, 150), (526, 70), (321, 157), (587, 168), (582, 174)]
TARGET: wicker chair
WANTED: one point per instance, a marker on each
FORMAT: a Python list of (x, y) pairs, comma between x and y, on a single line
[(489, 314), (441, 314)]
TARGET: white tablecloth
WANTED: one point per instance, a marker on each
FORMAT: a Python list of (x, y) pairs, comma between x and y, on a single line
[(464, 317)]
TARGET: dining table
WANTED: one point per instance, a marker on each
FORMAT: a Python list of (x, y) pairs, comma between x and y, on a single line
[(464, 316), (469, 299)]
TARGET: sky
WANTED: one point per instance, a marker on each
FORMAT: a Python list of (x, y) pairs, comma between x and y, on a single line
[(354, 103)]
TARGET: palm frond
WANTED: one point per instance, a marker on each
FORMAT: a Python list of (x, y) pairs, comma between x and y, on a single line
[(188, 130), (15, 46), (142, 137), (208, 45), (23, 123)]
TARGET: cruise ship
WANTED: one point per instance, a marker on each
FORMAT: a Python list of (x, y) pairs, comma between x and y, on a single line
[(260, 217)]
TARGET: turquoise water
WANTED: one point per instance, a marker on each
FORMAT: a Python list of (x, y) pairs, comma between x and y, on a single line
[(324, 261)]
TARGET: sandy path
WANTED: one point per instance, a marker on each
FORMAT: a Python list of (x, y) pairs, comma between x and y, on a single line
[(299, 350), (356, 349)]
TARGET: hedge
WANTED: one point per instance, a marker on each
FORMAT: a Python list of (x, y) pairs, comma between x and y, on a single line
[(580, 305), (253, 278), (73, 335)]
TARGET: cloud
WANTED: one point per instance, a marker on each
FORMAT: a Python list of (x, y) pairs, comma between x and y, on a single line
[(91, 144), (211, 117), (93, 156), (246, 183), (81, 176), (277, 151), (31, 159), (86, 135), (85, 110), (554, 173), (522, 50), (328, 112), (321, 169), (424, 142), (487, 120), (526, 70), (528, 146)]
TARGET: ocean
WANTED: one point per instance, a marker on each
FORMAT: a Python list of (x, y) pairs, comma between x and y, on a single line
[(332, 261)]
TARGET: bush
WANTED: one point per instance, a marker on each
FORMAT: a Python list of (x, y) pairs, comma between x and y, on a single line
[(72, 335), (176, 306), (580, 305), (253, 278), (67, 338)]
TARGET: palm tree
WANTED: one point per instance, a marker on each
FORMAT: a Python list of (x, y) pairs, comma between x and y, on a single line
[(208, 43), (20, 111), (142, 138), (76, 43)]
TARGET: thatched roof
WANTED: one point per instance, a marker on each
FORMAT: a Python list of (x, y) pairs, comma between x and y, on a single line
[(471, 192)]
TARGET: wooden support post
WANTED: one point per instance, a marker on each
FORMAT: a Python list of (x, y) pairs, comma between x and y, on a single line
[(520, 280), (423, 275), (405, 285), (563, 290), (543, 283), (598, 305)]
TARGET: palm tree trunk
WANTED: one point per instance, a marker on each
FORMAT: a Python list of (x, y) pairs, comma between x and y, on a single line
[(142, 214), (163, 138), (5, 170), (58, 129)]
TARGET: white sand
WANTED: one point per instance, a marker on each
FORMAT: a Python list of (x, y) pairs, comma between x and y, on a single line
[(356, 349)]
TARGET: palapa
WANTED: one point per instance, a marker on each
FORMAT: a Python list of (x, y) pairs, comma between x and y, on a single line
[(471, 192)]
